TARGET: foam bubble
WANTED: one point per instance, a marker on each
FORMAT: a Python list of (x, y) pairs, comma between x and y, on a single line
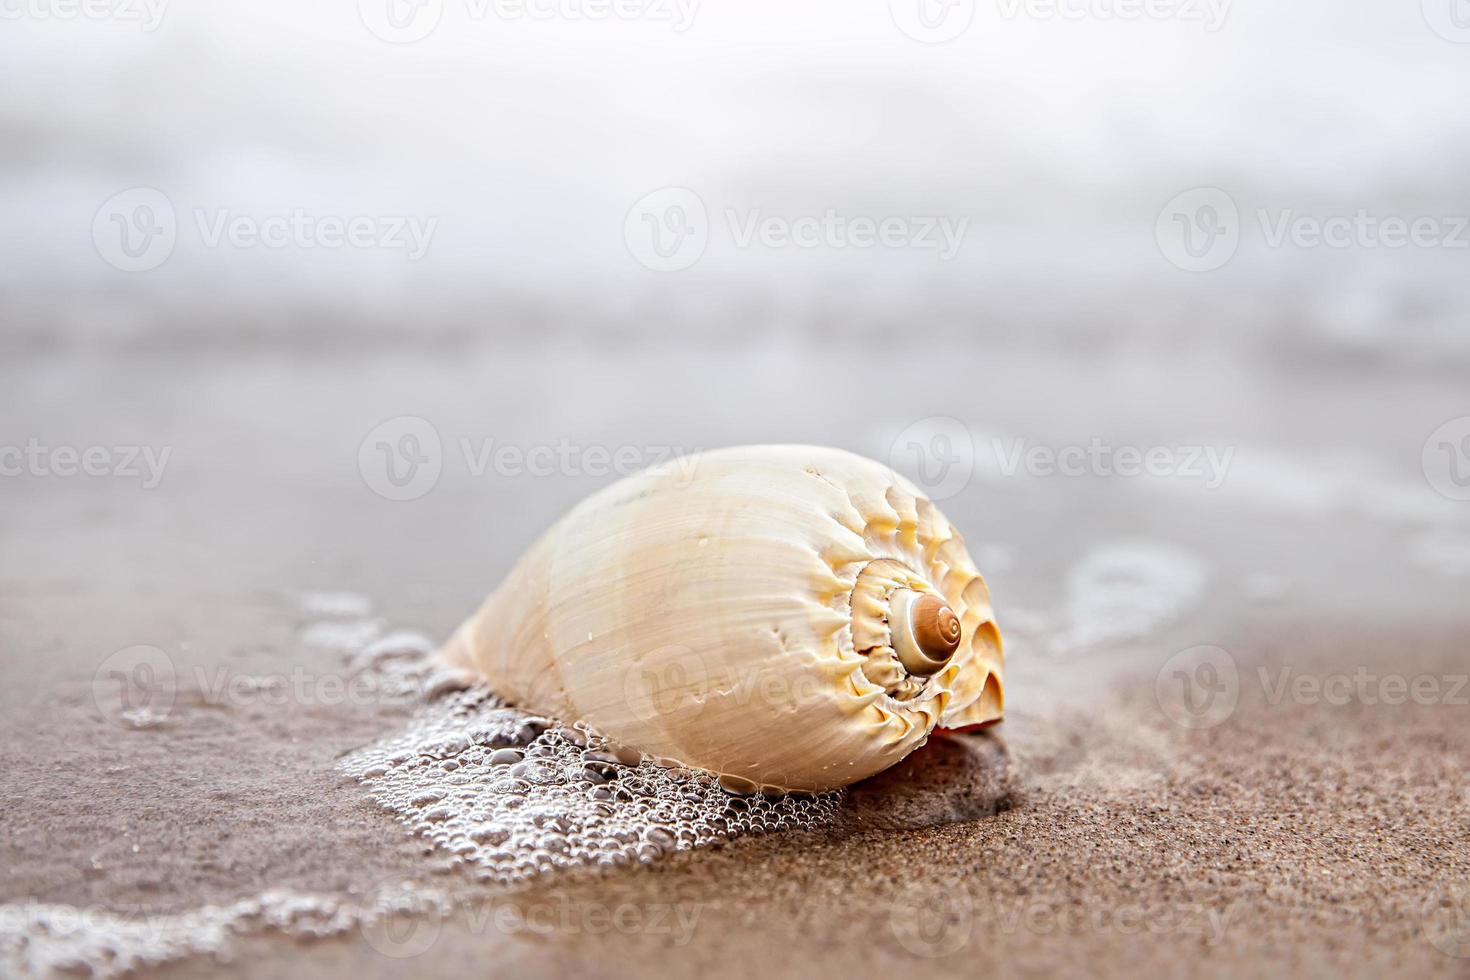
[(336, 605), (512, 796), (1442, 552), (1126, 591), (38, 939), (349, 637), (1265, 586)]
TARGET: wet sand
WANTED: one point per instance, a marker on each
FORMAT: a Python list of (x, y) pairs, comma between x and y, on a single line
[(1090, 831), (1292, 838)]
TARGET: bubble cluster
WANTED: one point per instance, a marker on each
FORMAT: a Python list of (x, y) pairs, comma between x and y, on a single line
[(51, 940), (512, 796)]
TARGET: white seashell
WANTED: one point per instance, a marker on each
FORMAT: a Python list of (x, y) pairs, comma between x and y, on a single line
[(774, 614)]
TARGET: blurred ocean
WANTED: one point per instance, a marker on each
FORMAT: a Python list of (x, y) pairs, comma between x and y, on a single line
[(527, 141)]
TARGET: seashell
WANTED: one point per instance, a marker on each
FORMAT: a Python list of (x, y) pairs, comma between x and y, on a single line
[(787, 617)]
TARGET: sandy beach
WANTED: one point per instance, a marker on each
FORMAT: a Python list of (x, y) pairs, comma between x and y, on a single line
[(1315, 829)]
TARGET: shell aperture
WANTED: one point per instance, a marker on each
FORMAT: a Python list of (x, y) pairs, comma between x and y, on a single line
[(788, 617)]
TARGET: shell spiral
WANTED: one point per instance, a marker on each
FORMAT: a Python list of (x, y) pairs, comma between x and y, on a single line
[(789, 617)]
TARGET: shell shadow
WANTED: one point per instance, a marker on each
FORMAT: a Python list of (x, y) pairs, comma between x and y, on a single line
[(952, 778)]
